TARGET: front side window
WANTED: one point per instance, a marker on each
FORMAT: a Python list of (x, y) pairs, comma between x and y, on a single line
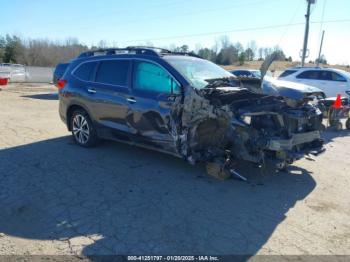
[(84, 71), (113, 72), (149, 77)]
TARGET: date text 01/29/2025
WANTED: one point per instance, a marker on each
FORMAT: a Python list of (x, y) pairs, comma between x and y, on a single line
[(173, 258)]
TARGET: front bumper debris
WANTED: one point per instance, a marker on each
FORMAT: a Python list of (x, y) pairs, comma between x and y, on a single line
[(296, 139)]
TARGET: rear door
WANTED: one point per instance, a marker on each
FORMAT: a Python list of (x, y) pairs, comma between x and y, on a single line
[(107, 97), (154, 92)]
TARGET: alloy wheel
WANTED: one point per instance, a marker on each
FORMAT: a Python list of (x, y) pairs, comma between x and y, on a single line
[(81, 130)]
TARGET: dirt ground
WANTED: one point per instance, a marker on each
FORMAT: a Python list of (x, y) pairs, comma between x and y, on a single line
[(59, 198)]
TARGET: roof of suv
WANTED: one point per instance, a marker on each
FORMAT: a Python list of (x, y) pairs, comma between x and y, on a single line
[(133, 50)]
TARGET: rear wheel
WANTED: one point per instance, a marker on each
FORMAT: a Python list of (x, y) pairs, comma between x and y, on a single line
[(338, 126), (83, 131)]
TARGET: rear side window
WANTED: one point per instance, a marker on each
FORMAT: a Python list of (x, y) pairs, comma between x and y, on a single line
[(287, 73), (310, 74), (85, 71), (113, 72), (153, 78), (325, 75)]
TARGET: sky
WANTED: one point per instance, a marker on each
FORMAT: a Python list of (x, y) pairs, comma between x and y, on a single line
[(197, 23)]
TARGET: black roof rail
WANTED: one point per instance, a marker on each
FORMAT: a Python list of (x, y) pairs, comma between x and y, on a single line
[(115, 51), (158, 50), (144, 50)]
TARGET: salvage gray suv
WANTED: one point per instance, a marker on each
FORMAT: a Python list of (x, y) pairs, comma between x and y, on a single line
[(183, 105)]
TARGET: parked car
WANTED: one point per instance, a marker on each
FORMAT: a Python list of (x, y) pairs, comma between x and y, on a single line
[(331, 81), (250, 73), (182, 105), (297, 91), (59, 72), (16, 72), (272, 86)]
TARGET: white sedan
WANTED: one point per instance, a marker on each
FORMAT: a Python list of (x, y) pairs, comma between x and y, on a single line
[(331, 81)]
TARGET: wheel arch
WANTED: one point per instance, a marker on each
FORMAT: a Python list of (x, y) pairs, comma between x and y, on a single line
[(70, 111)]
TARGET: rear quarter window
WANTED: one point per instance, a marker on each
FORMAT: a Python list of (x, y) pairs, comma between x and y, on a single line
[(85, 71), (337, 77)]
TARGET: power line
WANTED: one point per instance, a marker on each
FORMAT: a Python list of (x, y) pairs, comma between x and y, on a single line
[(291, 21), (322, 17), (233, 30)]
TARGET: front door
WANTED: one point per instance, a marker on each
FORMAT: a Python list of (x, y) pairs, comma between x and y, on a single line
[(154, 96)]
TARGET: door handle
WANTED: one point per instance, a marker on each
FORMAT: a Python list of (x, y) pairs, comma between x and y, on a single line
[(91, 90), (131, 100)]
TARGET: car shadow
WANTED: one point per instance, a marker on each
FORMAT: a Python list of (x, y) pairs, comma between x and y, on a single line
[(48, 96), (330, 134), (119, 199)]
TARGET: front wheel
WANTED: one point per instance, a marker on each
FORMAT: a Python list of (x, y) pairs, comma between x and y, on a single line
[(83, 131), (347, 124)]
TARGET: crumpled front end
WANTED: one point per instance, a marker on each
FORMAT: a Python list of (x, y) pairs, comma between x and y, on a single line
[(247, 126), (279, 134)]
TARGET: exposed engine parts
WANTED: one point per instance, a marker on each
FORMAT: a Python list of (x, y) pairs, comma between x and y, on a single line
[(232, 121)]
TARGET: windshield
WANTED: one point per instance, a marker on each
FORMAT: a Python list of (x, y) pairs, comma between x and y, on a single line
[(198, 71)]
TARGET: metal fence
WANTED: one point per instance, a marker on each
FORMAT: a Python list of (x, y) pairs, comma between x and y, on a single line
[(29, 74), (39, 74)]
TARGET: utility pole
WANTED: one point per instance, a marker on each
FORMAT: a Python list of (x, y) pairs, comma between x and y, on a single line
[(306, 35), (319, 53)]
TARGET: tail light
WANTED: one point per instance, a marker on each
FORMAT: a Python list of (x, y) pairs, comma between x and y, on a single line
[(3, 81), (61, 83)]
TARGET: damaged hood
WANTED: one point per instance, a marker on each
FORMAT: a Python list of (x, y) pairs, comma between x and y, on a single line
[(288, 89)]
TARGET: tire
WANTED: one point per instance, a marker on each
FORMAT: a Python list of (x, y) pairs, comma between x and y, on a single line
[(339, 126), (83, 130), (347, 124)]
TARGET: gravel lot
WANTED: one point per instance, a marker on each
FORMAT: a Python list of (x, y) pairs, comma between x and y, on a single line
[(58, 198)]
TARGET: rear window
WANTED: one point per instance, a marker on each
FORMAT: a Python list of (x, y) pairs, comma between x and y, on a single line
[(86, 71), (287, 73), (60, 69), (113, 72)]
